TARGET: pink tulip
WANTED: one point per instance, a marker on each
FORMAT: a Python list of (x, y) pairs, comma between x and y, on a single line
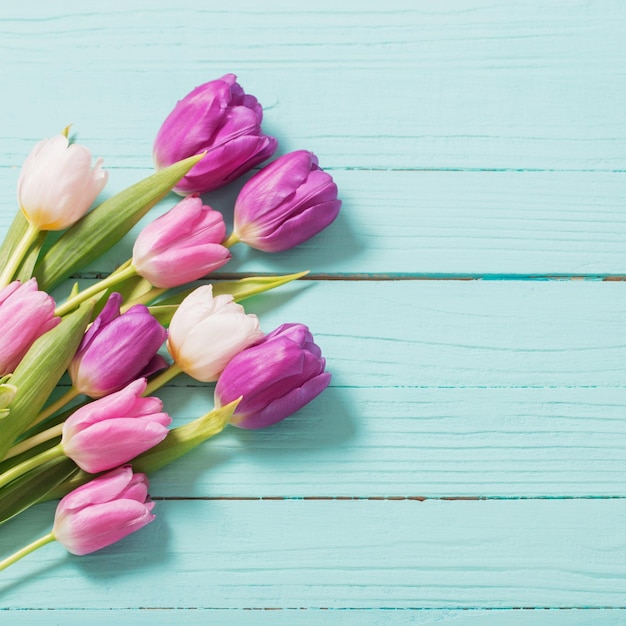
[(57, 184), (103, 511), (25, 314), (206, 332), (220, 119), (115, 429), (117, 349), (182, 245)]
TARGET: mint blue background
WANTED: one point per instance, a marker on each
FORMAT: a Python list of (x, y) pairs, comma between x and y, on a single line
[(467, 464)]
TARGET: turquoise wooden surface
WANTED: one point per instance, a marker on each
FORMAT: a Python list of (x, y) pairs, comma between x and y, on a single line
[(467, 464)]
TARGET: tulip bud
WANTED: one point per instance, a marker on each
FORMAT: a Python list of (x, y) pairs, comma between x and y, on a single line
[(25, 314), (206, 332), (117, 349), (220, 119), (103, 511), (275, 377), (57, 184), (182, 245), (115, 429), (286, 203)]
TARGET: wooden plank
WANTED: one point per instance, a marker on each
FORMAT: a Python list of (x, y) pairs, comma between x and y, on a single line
[(460, 334), (462, 86), (363, 443), (322, 617), (433, 224), (358, 554), (440, 388)]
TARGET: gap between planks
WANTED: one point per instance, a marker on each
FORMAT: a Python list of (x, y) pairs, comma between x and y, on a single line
[(390, 277), (383, 498)]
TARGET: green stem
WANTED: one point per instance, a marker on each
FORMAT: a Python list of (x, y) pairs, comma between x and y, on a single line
[(29, 464), (231, 240), (31, 547), (145, 298), (162, 379), (102, 285), (35, 440), (18, 255), (51, 409)]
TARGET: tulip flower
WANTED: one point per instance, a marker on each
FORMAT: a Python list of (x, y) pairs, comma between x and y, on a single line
[(275, 377), (182, 245), (103, 511), (25, 314), (220, 119), (115, 429), (286, 203), (57, 184), (117, 349), (207, 331)]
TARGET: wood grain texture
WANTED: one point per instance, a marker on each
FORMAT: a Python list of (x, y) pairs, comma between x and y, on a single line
[(324, 617), (431, 224), (462, 85), (340, 555), (469, 139)]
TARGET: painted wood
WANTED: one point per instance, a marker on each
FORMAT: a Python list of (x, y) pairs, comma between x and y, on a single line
[(340, 554), (432, 224), (469, 139), (323, 617), (462, 85), (412, 442)]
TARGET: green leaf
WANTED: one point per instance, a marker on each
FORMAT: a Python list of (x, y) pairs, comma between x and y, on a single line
[(239, 289), (101, 228), (27, 266), (34, 486), (16, 232), (39, 371), (184, 438)]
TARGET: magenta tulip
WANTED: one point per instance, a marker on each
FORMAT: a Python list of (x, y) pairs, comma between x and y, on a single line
[(103, 511), (115, 429), (286, 203), (275, 378), (182, 245), (117, 349), (220, 119), (206, 332), (25, 314), (57, 184)]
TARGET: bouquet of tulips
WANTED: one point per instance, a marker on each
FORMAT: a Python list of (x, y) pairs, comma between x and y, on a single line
[(122, 338)]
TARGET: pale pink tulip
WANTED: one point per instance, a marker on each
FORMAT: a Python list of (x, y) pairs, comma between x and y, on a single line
[(103, 511), (57, 184), (114, 429), (206, 332)]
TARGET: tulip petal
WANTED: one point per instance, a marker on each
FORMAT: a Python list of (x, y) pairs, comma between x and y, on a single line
[(286, 405)]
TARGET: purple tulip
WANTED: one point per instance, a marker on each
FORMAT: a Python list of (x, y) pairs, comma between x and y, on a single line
[(182, 245), (103, 511), (275, 377), (220, 119), (115, 429), (25, 314), (286, 203), (117, 349)]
